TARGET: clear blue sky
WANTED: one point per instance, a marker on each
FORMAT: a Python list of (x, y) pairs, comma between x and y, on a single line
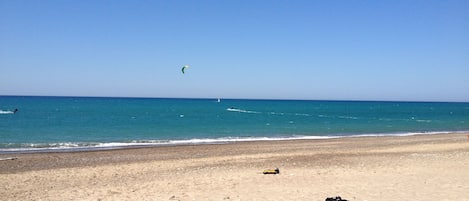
[(414, 50)]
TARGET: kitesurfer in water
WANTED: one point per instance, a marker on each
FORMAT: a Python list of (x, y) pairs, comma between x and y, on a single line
[(15, 110)]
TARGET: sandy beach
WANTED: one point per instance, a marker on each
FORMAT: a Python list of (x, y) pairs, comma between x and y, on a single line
[(420, 167)]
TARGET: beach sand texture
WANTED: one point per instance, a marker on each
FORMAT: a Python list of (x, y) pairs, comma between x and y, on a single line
[(421, 167)]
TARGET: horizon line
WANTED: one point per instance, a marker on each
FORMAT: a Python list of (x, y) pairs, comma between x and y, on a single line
[(231, 98)]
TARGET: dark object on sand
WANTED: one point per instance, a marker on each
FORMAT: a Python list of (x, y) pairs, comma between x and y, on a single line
[(338, 198), (271, 171)]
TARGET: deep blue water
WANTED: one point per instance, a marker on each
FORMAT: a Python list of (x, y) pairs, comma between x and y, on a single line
[(65, 122)]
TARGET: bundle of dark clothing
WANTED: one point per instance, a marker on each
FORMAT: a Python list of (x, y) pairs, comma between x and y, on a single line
[(338, 198)]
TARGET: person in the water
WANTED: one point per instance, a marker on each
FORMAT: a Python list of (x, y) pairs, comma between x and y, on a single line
[(15, 110)]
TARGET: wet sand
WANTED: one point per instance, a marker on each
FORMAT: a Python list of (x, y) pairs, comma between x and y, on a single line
[(421, 167)]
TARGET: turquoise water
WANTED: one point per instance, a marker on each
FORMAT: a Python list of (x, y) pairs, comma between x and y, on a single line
[(82, 122)]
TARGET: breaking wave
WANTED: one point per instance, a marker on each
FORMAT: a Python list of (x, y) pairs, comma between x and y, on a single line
[(6, 112), (241, 111), (6, 148)]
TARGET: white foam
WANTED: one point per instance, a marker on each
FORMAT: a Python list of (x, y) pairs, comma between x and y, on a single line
[(424, 121), (6, 112), (242, 111), (302, 114), (86, 146), (347, 117)]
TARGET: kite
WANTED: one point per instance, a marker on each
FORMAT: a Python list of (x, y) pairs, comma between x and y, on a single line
[(184, 68)]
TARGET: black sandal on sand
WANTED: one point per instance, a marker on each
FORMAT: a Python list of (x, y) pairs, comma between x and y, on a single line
[(338, 198)]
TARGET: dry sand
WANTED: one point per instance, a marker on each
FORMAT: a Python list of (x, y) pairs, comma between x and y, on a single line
[(422, 167)]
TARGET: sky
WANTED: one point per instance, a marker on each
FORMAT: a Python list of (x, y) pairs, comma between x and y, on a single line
[(409, 50)]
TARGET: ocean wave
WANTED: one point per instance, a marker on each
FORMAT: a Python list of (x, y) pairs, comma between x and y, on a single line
[(241, 111), (347, 117), (270, 113), (94, 146), (6, 112), (291, 114), (338, 117), (277, 113), (424, 121)]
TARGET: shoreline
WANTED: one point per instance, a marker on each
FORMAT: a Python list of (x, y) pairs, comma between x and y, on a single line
[(361, 168), (74, 147)]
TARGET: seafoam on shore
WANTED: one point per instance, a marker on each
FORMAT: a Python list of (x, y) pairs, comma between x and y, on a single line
[(72, 147)]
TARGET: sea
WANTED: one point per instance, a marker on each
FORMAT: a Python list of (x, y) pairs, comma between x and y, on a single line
[(42, 124)]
